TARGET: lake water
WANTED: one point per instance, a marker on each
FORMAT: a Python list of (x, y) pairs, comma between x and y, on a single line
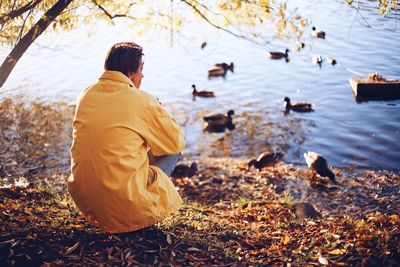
[(347, 133)]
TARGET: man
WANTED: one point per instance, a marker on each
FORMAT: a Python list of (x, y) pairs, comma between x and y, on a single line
[(125, 145)]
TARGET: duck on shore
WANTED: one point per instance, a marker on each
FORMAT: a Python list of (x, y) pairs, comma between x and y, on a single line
[(202, 93), (182, 170), (301, 210), (298, 107), (264, 160), (318, 164)]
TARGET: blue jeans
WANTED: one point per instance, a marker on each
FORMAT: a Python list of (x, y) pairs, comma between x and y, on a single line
[(166, 163)]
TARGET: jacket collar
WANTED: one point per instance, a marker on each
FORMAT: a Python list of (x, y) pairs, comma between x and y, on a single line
[(116, 76)]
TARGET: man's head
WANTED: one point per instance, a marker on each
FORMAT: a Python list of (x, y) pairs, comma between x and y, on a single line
[(126, 57)]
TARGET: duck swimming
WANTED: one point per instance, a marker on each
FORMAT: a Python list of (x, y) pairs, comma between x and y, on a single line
[(317, 59), (298, 107), (317, 34), (216, 72), (220, 69), (318, 164), (226, 66), (220, 117), (219, 126), (265, 160), (202, 93), (279, 55), (331, 61)]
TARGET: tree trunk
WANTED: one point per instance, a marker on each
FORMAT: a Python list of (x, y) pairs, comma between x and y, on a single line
[(23, 44)]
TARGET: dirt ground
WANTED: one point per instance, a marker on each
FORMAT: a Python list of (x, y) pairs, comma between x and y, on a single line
[(231, 216)]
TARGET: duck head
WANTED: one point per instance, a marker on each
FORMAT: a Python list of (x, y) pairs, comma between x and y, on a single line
[(193, 167), (194, 89), (251, 163), (231, 66), (230, 113), (287, 102)]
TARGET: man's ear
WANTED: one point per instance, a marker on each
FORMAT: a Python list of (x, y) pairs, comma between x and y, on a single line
[(130, 75)]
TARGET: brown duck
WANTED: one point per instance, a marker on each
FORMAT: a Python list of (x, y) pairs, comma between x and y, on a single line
[(202, 93), (220, 69), (265, 160), (318, 164), (279, 55), (226, 66), (317, 34), (219, 126), (220, 117), (298, 107), (182, 170), (301, 210)]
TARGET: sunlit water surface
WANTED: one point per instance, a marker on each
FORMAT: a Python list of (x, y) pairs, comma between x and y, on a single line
[(348, 133)]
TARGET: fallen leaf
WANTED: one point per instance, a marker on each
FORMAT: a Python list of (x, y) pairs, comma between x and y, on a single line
[(322, 260), (193, 249), (169, 239), (337, 251), (286, 240), (71, 249)]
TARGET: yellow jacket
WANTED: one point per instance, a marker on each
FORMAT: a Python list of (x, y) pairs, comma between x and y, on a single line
[(114, 125)]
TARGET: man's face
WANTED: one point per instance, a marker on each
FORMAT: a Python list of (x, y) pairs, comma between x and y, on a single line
[(136, 77)]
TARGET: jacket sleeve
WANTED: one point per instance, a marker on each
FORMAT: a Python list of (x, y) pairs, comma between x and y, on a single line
[(163, 134)]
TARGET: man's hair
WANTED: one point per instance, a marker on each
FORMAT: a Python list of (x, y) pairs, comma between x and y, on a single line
[(124, 57)]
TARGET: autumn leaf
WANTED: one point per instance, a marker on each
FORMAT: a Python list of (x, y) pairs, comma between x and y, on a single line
[(337, 252), (285, 240)]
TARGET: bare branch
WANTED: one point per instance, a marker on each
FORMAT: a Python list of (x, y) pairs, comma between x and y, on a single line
[(109, 15), (215, 25), (23, 26)]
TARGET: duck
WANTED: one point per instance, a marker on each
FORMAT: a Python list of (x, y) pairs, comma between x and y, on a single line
[(226, 66), (182, 170), (301, 210), (216, 72), (218, 126), (203, 93), (298, 107), (279, 55), (264, 160), (318, 164), (299, 47), (220, 117), (331, 61), (317, 34), (220, 69), (317, 59)]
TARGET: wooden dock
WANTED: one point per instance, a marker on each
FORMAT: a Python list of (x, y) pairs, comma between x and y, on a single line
[(369, 89)]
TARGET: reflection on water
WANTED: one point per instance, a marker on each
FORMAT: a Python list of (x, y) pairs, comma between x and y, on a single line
[(347, 133)]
